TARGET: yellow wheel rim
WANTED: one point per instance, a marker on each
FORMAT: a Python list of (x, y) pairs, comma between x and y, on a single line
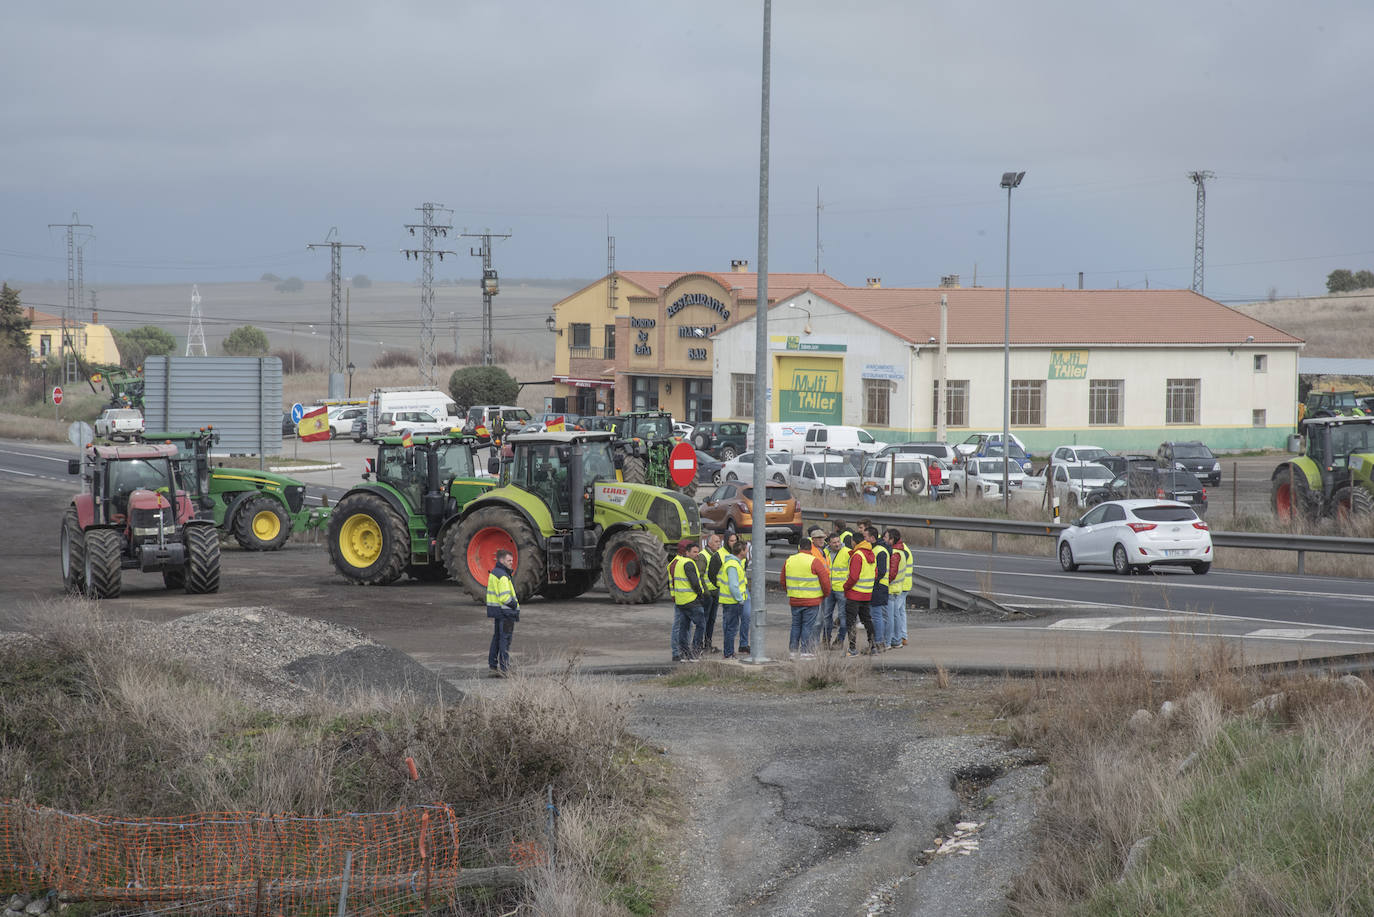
[(266, 525), (360, 541)]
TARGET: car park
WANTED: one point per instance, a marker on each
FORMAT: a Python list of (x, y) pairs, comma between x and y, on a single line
[(982, 477), (992, 448), (1118, 465), (741, 467), (1145, 482), (1131, 535), (725, 439), (975, 443), (823, 473), (899, 473), (1191, 456), (1073, 483), (730, 508)]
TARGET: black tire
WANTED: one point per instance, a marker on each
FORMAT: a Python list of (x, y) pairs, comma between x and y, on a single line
[(368, 553), (634, 470), (727, 453), (1362, 502), (956, 490), (1121, 562), (715, 478), (104, 579), (1201, 567), (700, 441), (729, 526), (1289, 495), (578, 582), (690, 490), (1095, 499), (731, 477), (1066, 557), (469, 558), (634, 568), (202, 559), (72, 542), (914, 484), (262, 524)]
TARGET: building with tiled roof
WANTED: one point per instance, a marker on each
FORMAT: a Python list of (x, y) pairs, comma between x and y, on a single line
[(92, 340), (1122, 369)]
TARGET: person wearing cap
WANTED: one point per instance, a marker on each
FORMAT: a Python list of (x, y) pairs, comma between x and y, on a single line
[(689, 617), (817, 542), (806, 579), (832, 608)]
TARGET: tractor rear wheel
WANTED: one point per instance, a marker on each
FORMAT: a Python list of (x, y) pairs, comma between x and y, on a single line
[(691, 489), (104, 578), (578, 582), (1362, 502), (1289, 496), (470, 551), (635, 568), (634, 470), (73, 553), (368, 541), (262, 524), (202, 559)]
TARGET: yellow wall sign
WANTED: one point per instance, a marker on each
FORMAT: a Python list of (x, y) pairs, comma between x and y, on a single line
[(1068, 364), (811, 389)]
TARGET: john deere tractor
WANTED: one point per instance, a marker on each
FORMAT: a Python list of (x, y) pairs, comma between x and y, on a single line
[(131, 515), (644, 441), (561, 511), (259, 508), (1332, 476), (393, 524)]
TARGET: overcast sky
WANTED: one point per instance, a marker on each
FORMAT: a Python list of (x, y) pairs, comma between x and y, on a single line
[(211, 142)]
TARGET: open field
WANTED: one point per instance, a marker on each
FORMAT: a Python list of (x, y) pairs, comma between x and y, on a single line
[(1336, 325)]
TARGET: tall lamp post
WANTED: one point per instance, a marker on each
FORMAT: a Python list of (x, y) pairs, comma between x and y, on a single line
[(1009, 180)]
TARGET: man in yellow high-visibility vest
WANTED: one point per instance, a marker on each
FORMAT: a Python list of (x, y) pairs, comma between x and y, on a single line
[(684, 581), (503, 607), (807, 581), (732, 582), (832, 618), (899, 584)]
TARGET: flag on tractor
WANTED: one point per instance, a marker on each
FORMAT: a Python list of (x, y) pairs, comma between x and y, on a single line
[(407, 440), (555, 424), (314, 426), (481, 431)]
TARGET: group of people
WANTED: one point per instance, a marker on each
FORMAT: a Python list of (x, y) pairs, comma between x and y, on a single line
[(835, 582)]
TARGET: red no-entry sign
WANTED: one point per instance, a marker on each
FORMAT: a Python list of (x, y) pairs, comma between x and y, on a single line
[(682, 464), (57, 394)]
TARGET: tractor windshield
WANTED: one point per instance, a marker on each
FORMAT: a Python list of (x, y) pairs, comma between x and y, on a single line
[(454, 461), (1348, 438), (653, 428), (540, 470), (598, 465), (130, 475)]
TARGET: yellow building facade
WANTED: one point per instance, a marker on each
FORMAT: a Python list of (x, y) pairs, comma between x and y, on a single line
[(92, 340)]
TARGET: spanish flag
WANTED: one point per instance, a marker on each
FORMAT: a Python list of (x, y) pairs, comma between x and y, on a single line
[(314, 426), (407, 440), (555, 424), (481, 431)]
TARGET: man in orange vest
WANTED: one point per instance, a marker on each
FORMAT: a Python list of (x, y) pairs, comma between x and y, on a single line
[(806, 579), (858, 592)]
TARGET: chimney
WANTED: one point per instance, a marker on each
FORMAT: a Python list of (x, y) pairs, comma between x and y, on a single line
[(30, 315), (1080, 280), (95, 317), (875, 283), (949, 282), (738, 266)]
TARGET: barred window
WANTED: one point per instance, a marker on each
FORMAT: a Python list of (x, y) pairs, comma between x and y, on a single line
[(878, 402), (956, 403), (581, 335), (1104, 401), (1259, 417), (1180, 400), (743, 400), (1028, 402)]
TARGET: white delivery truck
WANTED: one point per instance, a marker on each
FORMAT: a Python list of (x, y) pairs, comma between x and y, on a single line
[(439, 405)]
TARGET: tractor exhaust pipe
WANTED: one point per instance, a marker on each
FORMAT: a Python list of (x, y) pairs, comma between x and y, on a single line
[(578, 484)]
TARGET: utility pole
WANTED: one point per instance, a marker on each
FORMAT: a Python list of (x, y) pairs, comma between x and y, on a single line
[(68, 350), (336, 332), (490, 285), (1200, 232), (425, 255), (819, 208), (610, 267), (195, 331)]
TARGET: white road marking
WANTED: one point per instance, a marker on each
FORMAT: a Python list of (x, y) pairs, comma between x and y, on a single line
[(1106, 623), (1302, 633), (49, 458), (27, 474)]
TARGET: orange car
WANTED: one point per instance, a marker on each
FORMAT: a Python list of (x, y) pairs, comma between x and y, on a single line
[(731, 509)]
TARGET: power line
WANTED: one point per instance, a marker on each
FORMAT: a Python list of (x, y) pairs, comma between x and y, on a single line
[(490, 287), (1200, 230), (428, 230), (68, 351), (195, 331), (336, 337)]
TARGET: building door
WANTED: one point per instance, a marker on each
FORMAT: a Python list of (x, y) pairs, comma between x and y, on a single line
[(809, 388), (698, 400)]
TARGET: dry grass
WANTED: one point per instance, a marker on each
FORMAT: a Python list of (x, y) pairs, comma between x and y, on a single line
[(1335, 325), (310, 387)]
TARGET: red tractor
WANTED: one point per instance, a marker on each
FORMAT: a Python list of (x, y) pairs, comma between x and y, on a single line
[(130, 515)]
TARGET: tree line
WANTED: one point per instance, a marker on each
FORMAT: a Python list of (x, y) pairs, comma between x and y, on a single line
[(1342, 280)]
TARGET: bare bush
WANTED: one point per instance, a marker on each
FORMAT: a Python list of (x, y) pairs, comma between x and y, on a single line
[(390, 359), (294, 361)]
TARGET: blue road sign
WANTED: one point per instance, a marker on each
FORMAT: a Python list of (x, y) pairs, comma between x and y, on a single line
[(297, 412)]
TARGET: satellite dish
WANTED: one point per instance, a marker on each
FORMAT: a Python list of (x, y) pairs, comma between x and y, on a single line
[(80, 433)]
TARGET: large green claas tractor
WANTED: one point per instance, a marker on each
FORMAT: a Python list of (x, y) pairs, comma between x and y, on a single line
[(259, 509), (1333, 475), (560, 510), (395, 522), (644, 440)]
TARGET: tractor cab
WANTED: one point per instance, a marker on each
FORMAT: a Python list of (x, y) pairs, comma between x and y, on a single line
[(1332, 477), (191, 463), (122, 479)]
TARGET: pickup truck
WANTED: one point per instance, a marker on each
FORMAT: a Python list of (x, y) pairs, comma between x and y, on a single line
[(119, 423)]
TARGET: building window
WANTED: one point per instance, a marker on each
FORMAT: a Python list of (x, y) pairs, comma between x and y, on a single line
[(1028, 402), (1259, 418), (1261, 362), (878, 402), (698, 400), (1180, 401), (956, 403), (645, 391), (581, 335), (610, 342), (1104, 401), (743, 400), (44, 345)]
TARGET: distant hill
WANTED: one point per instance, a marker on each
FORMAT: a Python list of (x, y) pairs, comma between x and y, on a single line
[(1336, 325)]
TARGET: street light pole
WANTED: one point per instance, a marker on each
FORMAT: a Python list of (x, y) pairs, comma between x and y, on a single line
[(1009, 180)]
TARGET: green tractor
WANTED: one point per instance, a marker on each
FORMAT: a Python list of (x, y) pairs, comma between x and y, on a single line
[(1333, 475), (259, 509), (126, 388), (395, 523), (561, 511), (644, 441)]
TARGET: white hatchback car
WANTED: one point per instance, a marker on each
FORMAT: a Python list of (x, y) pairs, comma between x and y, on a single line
[(741, 467), (1130, 535)]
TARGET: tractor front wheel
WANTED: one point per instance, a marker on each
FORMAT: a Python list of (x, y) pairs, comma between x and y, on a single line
[(202, 559), (368, 541), (635, 568), (1288, 495), (73, 553), (262, 525), (634, 470), (104, 578), (470, 551)]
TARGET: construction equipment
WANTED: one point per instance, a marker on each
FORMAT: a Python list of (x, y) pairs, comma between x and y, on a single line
[(644, 440), (1332, 475), (393, 524), (131, 515), (126, 388), (561, 512), (260, 509)]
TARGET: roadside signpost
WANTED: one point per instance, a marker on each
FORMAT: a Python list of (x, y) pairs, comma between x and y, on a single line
[(682, 464), (56, 400)]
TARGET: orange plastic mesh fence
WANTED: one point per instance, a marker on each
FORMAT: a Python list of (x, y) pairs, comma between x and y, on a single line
[(249, 861)]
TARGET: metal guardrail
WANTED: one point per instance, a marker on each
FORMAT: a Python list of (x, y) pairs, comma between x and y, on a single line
[(1254, 541)]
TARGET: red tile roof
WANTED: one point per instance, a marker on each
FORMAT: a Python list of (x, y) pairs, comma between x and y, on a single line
[(748, 283), (45, 320)]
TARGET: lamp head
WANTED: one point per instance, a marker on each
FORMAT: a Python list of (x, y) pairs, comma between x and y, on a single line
[(1250, 339), (932, 340), (1012, 179)]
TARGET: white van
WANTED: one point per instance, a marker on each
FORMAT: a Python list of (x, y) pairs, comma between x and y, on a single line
[(438, 405), (836, 438), (782, 437)]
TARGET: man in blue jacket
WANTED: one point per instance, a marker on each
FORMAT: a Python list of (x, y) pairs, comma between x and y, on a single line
[(504, 609)]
